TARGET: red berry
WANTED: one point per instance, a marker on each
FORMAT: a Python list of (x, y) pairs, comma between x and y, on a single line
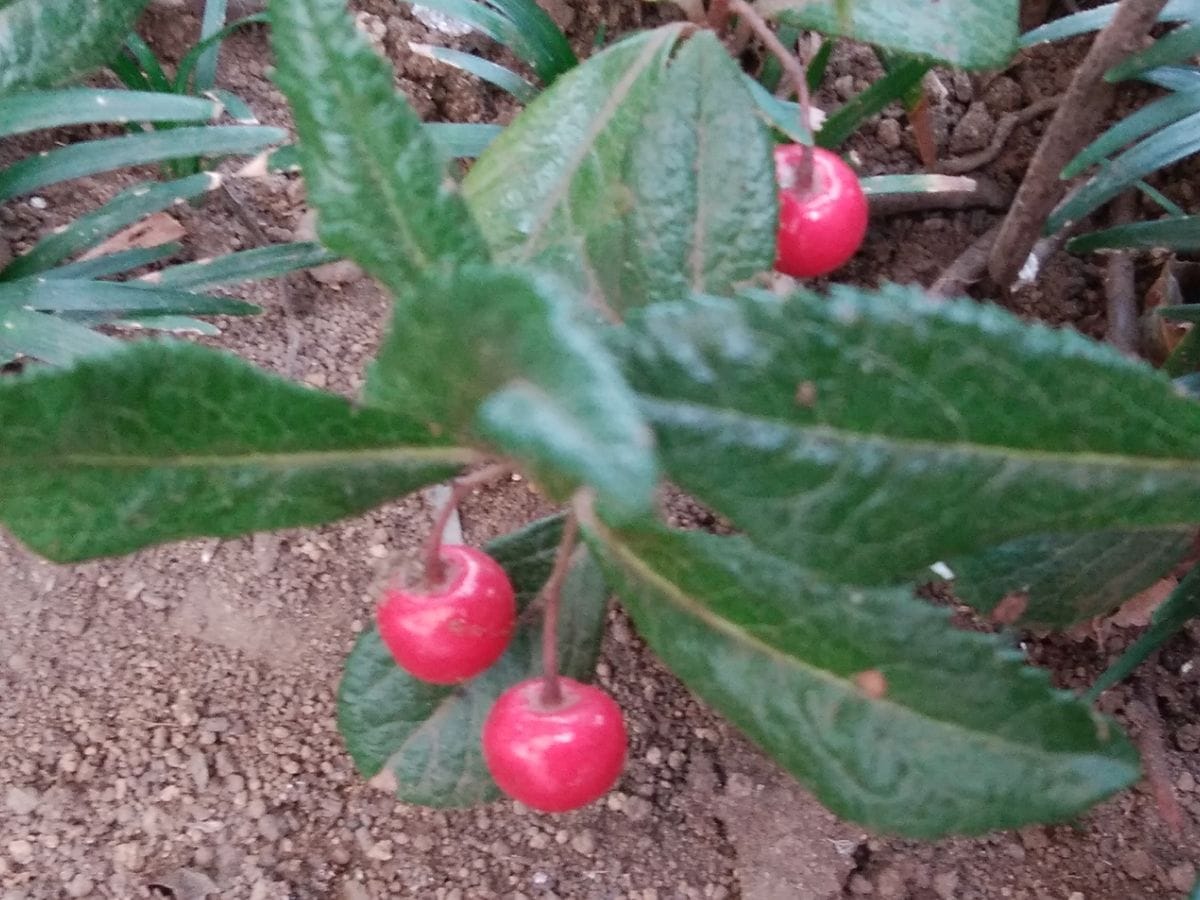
[(554, 758), (821, 225), (451, 631)]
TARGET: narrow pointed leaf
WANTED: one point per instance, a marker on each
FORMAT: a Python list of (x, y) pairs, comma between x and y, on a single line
[(212, 30), (498, 356), (973, 34), (33, 110), (422, 740), (114, 263), (704, 212), (90, 157), (869, 697), (1180, 45), (243, 265), (1068, 578), (1090, 20), (868, 434), (1166, 234), (551, 187), (37, 335), (112, 299), (461, 140), (896, 85), (91, 228), (1146, 120), (379, 186), (46, 42), (164, 441), (483, 69)]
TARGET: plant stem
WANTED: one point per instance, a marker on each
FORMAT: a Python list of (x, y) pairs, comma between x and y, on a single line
[(552, 597), (718, 15), (435, 569), (796, 74)]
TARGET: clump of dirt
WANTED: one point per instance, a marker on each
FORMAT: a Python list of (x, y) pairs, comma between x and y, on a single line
[(167, 720)]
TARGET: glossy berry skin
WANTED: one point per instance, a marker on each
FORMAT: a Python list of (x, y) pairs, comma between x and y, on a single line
[(456, 629), (822, 227), (555, 759)]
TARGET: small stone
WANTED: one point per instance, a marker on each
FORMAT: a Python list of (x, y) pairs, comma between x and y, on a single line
[(422, 843), (1182, 876), (21, 801), (316, 379), (637, 808), (21, 851), (890, 884), (269, 827), (1034, 838), (889, 133), (739, 785), (860, 886), (382, 851), (945, 884), (974, 130), (584, 842), (256, 808), (676, 759), (844, 86), (80, 886), (198, 769), (353, 890), (1076, 895), (1187, 738), (1137, 864), (1004, 95), (1186, 783), (654, 756), (128, 856), (38, 202)]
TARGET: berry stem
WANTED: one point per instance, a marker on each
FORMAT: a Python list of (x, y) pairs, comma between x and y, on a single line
[(552, 597), (718, 15), (435, 569), (796, 74)]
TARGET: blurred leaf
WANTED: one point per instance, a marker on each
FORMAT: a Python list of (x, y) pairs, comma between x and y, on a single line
[(47, 42), (1167, 234), (114, 263), (164, 441), (782, 115), (972, 34), (1146, 120), (896, 85), (25, 332), (483, 69), (1090, 20), (885, 185), (869, 697), (91, 157), (421, 740), (243, 265), (379, 187), (64, 295), (203, 56), (1180, 45), (869, 433), (27, 111)]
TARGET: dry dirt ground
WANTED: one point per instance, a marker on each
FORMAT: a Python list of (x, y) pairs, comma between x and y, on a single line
[(167, 720)]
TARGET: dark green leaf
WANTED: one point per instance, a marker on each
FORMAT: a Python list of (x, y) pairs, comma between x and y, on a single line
[(165, 441), (781, 115), (46, 42), (704, 211), (868, 696), (114, 263), (551, 187), (1145, 121), (90, 157), (896, 85), (91, 228), (25, 332), (868, 434), (1176, 611), (243, 265), (1167, 234), (113, 299), (207, 53), (1090, 20), (1068, 578), (973, 34), (422, 740), (1180, 45), (499, 356), (483, 69), (33, 110), (380, 189)]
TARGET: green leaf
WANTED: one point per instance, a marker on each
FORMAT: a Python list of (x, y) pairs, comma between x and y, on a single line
[(1171, 144), (243, 265), (115, 263), (1167, 234), (499, 356), (1176, 611), (422, 740), (26, 332), (212, 32), (46, 42), (1068, 578), (869, 433), (869, 697), (551, 187), (703, 180), (90, 157), (483, 69), (1146, 120), (885, 185), (34, 110), (972, 34), (781, 115), (112, 299), (1090, 20), (461, 140), (165, 441), (896, 85), (380, 189), (1180, 45), (91, 228)]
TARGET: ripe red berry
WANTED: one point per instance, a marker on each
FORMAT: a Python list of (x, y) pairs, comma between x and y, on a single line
[(452, 631), (554, 758), (821, 225)]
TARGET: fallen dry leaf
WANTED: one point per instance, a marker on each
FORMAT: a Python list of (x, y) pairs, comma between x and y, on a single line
[(153, 231)]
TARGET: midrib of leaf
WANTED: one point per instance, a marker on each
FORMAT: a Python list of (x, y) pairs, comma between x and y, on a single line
[(698, 243), (306, 459), (965, 448), (724, 626), (585, 147)]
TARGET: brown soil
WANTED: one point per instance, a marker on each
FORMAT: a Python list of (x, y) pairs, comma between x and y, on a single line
[(167, 720)]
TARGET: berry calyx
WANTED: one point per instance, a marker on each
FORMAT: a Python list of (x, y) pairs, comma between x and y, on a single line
[(554, 757), (452, 630), (822, 223)]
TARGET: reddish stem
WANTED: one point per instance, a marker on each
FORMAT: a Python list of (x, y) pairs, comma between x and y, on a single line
[(552, 597), (718, 15), (796, 74), (435, 568)]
